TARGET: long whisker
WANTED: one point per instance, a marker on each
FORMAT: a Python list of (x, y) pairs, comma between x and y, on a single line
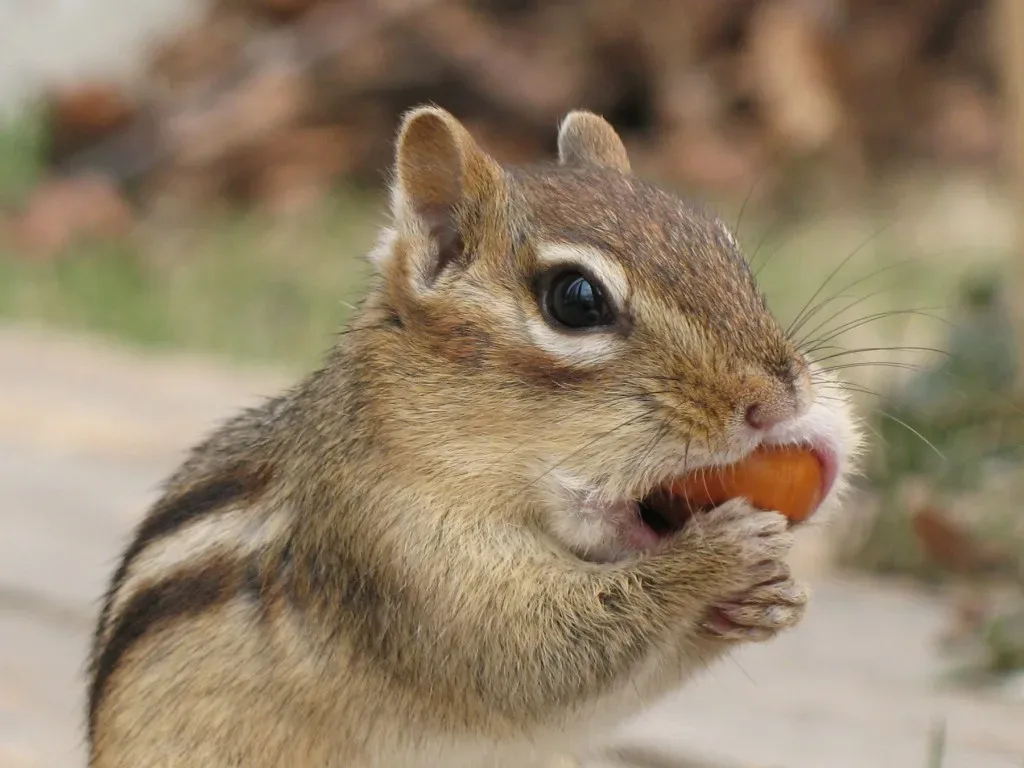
[(614, 396), (590, 444), (658, 437), (909, 428), (891, 417), (1000, 399), (757, 249), (834, 272), (848, 386), (895, 348), (847, 308), (825, 302), (746, 199), (772, 255), (830, 318), (872, 363), (871, 428), (860, 322)]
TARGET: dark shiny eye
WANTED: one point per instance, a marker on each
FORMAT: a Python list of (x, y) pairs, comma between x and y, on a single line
[(575, 301)]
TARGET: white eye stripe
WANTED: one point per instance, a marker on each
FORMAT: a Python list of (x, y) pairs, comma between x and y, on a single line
[(600, 265), (583, 349)]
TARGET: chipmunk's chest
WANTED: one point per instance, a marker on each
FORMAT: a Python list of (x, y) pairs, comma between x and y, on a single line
[(547, 748)]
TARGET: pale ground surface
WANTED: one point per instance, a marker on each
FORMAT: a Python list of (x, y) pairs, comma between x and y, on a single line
[(86, 433)]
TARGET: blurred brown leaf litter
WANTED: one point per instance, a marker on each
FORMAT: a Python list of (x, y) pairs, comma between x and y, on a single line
[(272, 102)]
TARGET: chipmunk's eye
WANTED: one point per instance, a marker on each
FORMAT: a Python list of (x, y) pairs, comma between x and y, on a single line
[(575, 301)]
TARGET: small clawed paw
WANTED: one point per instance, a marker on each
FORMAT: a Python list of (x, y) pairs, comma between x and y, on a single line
[(758, 614), (758, 596)]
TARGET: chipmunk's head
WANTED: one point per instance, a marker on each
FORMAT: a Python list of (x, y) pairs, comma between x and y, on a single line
[(577, 338)]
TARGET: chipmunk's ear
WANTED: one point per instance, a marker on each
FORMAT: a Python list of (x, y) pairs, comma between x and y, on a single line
[(588, 139), (444, 183)]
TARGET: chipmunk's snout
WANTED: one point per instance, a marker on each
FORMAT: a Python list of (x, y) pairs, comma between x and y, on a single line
[(764, 417), (770, 396), (766, 403)]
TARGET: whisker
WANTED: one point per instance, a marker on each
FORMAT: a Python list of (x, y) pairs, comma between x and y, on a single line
[(895, 348), (743, 207), (767, 261), (860, 322), (616, 396), (825, 302), (746, 199), (757, 249), (871, 428), (834, 272), (875, 273), (906, 426), (355, 328), (658, 437), (848, 307), (811, 344), (999, 399), (847, 386), (587, 446), (873, 363)]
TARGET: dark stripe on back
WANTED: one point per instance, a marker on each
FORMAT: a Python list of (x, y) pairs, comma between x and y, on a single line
[(172, 512), (178, 597), (176, 510)]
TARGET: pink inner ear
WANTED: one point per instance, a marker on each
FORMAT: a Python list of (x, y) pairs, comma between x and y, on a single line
[(444, 230)]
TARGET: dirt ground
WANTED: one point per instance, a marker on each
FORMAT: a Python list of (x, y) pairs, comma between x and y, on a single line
[(87, 431)]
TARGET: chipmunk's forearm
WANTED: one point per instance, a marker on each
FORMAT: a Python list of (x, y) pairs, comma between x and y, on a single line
[(536, 648), (573, 633)]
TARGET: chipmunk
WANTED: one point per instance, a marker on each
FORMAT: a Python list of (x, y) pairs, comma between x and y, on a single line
[(441, 548)]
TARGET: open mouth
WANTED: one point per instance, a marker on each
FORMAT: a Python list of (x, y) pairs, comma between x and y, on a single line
[(664, 512), (793, 480)]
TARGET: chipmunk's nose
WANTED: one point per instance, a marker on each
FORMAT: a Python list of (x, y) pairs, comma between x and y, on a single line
[(762, 416)]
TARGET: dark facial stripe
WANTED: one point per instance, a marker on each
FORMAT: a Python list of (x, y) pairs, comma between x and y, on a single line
[(186, 595)]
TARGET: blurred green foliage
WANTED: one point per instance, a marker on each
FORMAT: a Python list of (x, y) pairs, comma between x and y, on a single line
[(20, 151), (946, 425)]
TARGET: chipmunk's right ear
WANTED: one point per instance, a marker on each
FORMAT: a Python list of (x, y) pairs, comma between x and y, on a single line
[(444, 185)]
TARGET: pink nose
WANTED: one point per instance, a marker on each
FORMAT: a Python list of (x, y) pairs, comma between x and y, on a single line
[(760, 417)]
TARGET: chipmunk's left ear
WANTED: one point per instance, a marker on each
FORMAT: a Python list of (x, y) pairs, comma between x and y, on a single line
[(588, 139), (446, 188)]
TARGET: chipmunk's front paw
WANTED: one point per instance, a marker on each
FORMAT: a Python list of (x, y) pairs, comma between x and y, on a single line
[(761, 599), (758, 614)]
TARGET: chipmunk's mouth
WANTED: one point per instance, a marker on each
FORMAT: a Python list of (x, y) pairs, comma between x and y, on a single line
[(665, 512), (797, 482), (659, 515)]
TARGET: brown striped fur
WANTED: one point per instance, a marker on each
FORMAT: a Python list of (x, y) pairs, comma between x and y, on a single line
[(365, 572)]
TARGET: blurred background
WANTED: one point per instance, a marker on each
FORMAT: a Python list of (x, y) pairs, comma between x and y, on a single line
[(187, 190)]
